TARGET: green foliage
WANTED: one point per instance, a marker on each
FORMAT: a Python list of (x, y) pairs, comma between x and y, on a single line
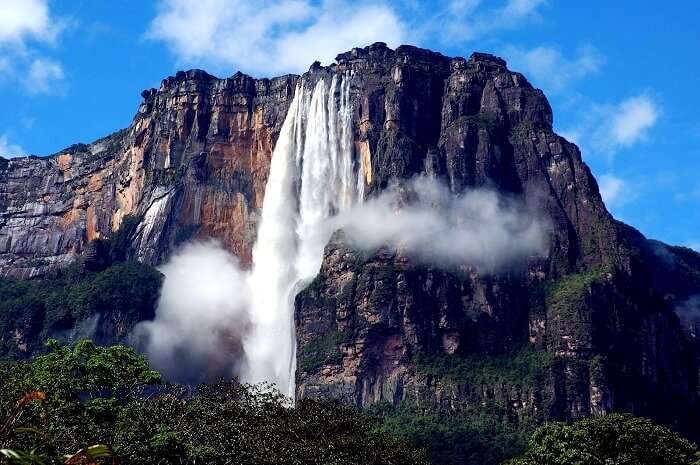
[(102, 395), (231, 423), (86, 387), (116, 369), (20, 457), (617, 439), (472, 435), (485, 428), (566, 295), (32, 311), (320, 351), (524, 368), (567, 302)]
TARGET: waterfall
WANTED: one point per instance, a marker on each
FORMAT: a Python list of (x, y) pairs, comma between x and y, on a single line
[(313, 176)]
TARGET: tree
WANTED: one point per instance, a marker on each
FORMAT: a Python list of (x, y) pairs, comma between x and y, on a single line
[(616, 439), (83, 386), (105, 396)]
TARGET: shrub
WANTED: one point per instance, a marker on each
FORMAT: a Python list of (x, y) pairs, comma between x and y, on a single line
[(616, 439)]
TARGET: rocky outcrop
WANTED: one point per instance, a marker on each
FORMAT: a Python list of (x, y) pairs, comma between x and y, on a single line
[(193, 163), (586, 330), (382, 328)]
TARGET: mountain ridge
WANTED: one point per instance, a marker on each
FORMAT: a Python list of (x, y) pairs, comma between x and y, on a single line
[(587, 330)]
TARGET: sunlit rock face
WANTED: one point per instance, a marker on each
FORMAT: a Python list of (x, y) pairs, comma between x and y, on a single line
[(193, 163), (586, 329)]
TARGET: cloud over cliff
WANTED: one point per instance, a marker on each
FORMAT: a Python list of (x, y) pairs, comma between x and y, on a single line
[(426, 221), (204, 312)]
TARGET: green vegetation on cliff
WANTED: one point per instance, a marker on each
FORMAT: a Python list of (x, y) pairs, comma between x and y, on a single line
[(523, 368), (321, 351), (502, 399), (32, 311), (566, 295)]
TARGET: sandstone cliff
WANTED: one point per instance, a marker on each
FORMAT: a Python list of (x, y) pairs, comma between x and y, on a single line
[(587, 330), (193, 163)]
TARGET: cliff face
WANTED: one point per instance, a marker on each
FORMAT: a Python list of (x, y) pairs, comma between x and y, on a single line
[(586, 330), (384, 328), (193, 163)]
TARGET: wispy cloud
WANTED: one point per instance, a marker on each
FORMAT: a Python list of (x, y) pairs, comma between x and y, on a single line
[(45, 76), (688, 194), (479, 228), (632, 120), (27, 20), (277, 36), (9, 150), (26, 28), (614, 190), (270, 36), (606, 129), (460, 21), (549, 69)]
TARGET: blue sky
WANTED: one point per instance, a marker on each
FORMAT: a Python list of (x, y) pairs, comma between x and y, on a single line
[(621, 76)]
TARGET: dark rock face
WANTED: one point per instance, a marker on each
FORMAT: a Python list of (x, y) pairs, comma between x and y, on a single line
[(193, 163), (373, 329), (597, 313)]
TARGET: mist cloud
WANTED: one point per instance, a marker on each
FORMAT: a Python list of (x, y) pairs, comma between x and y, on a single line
[(204, 312), (429, 223), (689, 313), (201, 317)]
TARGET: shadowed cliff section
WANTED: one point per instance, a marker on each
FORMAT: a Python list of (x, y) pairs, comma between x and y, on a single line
[(587, 330), (590, 329)]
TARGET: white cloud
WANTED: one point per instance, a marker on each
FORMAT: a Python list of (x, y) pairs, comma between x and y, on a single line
[(548, 68), (44, 76), (515, 10), (614, 190), (270, 36), (9, 150), (635, 116), (22, 20), (609, 128), (460, 21), (26, 27), (479, 228), (277, 36)]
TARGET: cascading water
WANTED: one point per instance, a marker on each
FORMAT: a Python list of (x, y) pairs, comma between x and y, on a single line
[(313, 176)]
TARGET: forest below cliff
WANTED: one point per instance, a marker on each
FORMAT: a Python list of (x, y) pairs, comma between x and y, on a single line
[(86, 404)]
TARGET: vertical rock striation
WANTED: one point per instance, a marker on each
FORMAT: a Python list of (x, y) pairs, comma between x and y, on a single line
[(193, 163), (587, 330), (383, 328)]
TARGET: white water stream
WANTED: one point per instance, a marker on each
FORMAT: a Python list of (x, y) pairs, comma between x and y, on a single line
[(313, 176)]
